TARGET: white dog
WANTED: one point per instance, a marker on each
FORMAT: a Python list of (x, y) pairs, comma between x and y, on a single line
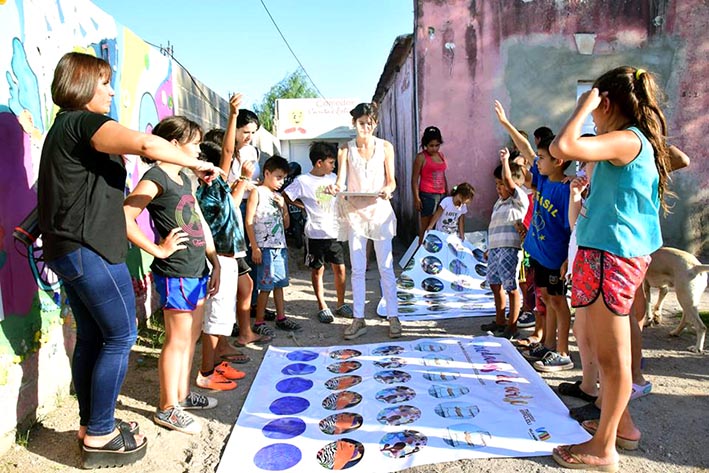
[(671, 267)]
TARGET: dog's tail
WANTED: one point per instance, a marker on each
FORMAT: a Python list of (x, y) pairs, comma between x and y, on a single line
[(698, 269)]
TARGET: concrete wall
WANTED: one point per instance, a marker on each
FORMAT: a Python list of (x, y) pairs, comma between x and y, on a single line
[(523, 52), (37, 334)]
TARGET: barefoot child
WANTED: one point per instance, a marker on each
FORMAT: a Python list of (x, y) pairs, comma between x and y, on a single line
[(321, 229), (180, 271)]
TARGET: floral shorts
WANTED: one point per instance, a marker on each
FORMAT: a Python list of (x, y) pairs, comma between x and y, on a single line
[(597, 271)]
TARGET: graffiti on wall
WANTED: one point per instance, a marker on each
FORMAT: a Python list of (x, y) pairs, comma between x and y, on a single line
[(33, 37)]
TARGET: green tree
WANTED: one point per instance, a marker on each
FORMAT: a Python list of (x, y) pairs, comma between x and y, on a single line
[(293, 86)]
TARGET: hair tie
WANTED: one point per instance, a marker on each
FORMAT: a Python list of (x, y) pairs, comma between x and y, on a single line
[(455, 188), (638, 73)]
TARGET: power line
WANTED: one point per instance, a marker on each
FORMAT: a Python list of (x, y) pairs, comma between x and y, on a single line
[(292, 52)]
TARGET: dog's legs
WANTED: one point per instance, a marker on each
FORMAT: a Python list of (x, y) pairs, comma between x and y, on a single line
[(657, 311), (647, 319)]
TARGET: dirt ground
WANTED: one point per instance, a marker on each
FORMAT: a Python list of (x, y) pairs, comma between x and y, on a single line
[(673, 419)]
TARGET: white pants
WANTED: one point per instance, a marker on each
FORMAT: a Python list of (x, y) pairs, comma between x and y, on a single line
[(385, 263), (220, 310)]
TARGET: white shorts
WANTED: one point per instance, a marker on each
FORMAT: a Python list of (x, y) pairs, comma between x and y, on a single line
[(220, 310)]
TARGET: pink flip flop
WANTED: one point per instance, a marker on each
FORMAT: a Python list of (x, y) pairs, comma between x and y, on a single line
[(640, 391)]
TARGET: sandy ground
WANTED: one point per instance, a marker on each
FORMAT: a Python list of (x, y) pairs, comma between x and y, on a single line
[(673, 418)]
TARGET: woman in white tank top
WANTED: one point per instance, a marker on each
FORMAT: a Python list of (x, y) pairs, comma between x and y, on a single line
[(367, 165)]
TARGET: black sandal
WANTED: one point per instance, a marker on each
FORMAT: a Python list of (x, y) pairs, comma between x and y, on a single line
[(574, 390), (110, 455)]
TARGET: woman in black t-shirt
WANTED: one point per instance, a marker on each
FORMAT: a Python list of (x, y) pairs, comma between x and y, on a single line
[(80, 198)]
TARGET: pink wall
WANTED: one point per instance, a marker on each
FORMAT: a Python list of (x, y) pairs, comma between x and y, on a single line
[(469, 53)]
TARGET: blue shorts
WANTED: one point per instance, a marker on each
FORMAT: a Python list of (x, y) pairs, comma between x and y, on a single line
[(429, 203), (273, 270), (180, 293), (503, 267)]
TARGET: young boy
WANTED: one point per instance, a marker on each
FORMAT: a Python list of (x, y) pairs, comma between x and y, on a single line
[(547, 243), (308, 191), (504, 244), (266, 221)]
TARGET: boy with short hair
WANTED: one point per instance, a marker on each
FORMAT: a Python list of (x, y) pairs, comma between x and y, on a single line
[(266, 221), (504, 244), (308, 191)]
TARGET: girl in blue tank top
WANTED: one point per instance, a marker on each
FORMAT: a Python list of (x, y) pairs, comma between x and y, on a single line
[(618, 228)]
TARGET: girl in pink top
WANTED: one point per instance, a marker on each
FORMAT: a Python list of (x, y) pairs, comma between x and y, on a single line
[(428, 180)]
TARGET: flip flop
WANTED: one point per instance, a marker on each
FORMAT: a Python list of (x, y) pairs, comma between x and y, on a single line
[(566, 458), (574, 390), (262, 340), (640, 390), (621, 442), (523, 342), (237, 358)]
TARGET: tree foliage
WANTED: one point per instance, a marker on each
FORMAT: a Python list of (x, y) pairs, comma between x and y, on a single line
[(294, 86)]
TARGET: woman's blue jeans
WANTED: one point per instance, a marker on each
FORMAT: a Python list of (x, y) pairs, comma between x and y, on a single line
[(103, 302)]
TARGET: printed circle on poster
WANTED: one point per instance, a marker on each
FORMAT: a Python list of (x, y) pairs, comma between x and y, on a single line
[(410, 265), (277, 457), (402, 444), (458, 267), (438, 308), (405, 282), (432, 243), (284, 428), (345, 354), (343, 382), (468, 436), (399, 415), (432, 285), (458, 249), (396, 395), (431, 265), (294, 385), (448, 391), (430, 347), (404, 296), (437, 360), (341, 400), (479, 255), (456, 409), (440, 374), (407, 310), (407, 303), (463, 283), (392, 376), (341, 423), (289, 405), (340, 454), (390, 363), (484, 285), (347, 366), (434, 297), (388, 350), (302, 355), (481, 269), (298, 368)]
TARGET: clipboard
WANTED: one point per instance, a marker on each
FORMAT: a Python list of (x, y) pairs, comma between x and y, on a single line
[(358, 194)]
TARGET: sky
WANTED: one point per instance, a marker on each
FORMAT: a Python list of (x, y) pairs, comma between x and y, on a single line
[(232, 45)]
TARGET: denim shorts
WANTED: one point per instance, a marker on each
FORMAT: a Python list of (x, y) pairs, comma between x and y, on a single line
[(429, 203), (180, 293), (273, 270)]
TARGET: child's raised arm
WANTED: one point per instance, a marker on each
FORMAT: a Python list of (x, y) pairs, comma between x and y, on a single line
[(134, 204), (244, 183), (506, 173), (229, 141), (522, 144)]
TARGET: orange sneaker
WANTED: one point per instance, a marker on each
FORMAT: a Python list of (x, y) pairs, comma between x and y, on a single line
[(228, 372), (215, 382)]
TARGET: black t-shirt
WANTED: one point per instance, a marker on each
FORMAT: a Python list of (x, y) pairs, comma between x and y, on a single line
[(175, 207), (80, 191)]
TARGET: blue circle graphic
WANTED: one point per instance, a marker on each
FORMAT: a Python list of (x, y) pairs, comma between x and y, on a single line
[(277, 457), (298, 368), (294, 385), (302, 355), (289, 405), (284, 428)]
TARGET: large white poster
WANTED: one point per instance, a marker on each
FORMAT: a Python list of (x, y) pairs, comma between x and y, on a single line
[(389, 406), (444, 279)]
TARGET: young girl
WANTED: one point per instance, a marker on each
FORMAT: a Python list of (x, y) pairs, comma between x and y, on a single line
[(366, 163), (448, 216), (618, 228), (180, 270), (428, 179)]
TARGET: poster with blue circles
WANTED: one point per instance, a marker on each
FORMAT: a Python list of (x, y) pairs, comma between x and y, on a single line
[(445, 278), (390, 406)]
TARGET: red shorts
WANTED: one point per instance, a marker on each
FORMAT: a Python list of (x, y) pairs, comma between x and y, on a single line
[(597, 271)]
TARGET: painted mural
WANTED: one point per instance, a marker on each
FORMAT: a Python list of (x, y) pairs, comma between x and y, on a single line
[(33, 37)]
